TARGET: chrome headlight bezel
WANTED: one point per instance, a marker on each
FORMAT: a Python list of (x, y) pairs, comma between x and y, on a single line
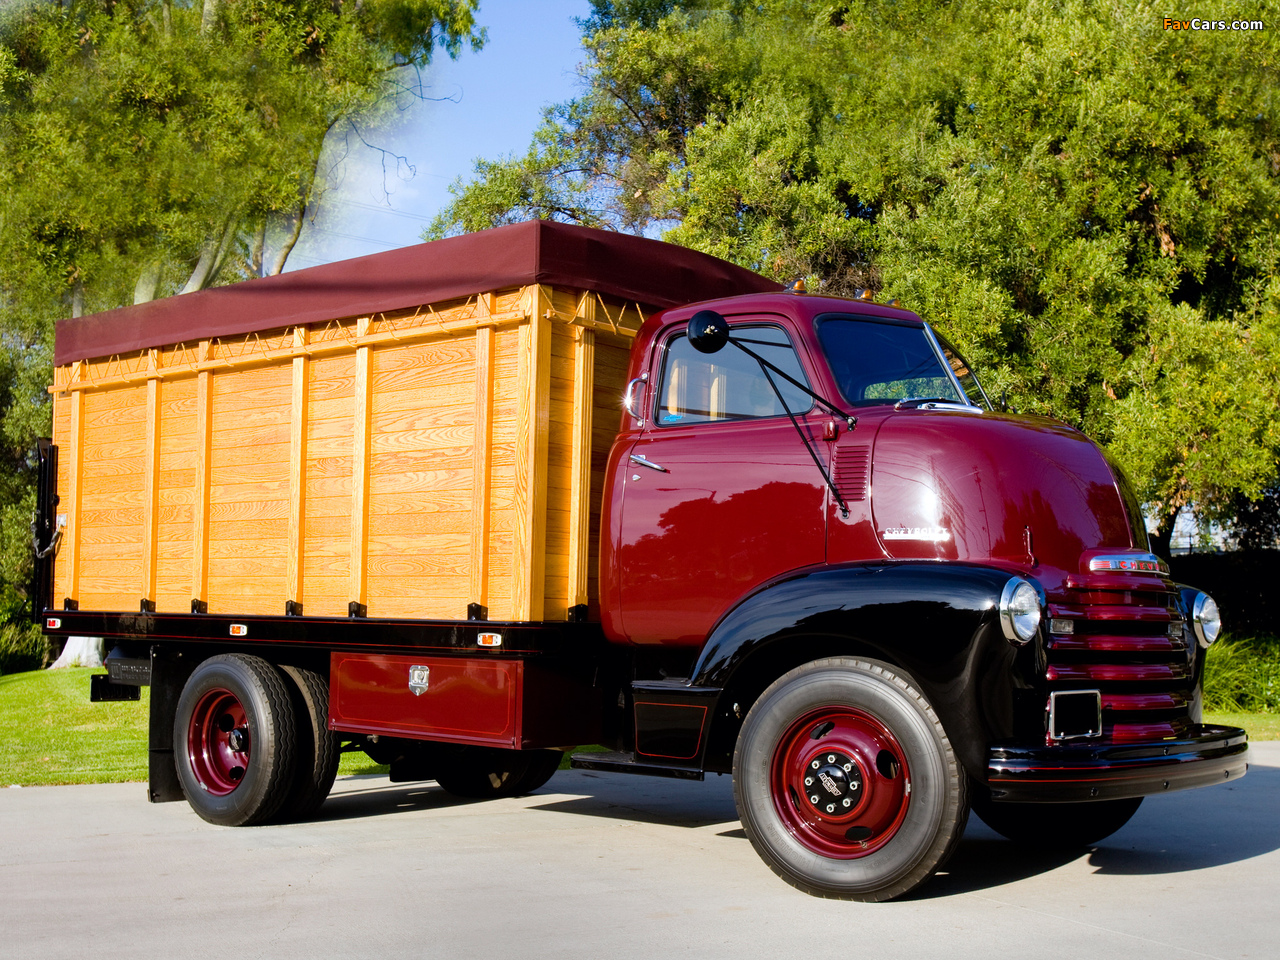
[(1021, 611), (1206, 619)]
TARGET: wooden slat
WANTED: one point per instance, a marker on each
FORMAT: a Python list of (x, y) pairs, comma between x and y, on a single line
[(204, 459), (532, 420), (482, 449), (75, 492), (360, 469), (151, 483), (580, 475), (297, 466)]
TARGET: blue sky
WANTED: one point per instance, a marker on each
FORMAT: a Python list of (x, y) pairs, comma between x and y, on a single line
[(494, 102)]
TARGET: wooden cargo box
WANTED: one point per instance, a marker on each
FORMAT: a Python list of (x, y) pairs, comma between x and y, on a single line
[(411, 432)]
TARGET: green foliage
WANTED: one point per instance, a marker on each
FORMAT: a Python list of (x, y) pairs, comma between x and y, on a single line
[(1086, 203), (151, 147), (22, 647), (1243, 675)]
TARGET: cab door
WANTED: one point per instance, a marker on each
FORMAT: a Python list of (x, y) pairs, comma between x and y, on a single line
[(720, 494)]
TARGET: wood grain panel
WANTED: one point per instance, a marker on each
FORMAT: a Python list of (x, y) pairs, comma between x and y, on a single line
[(388, 507), (255, 510), (331, 514), (415, 417), (325, 530)]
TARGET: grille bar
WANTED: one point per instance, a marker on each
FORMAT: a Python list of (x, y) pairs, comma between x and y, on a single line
[(1119, 672), (1105, 643)]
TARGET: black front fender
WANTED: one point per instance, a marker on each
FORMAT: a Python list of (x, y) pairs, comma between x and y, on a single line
[(937, 622)]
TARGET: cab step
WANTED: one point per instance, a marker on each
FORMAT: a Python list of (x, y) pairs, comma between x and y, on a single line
[(627, 763)]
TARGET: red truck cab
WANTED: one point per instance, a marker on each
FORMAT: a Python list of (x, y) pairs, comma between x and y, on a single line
[(878, 599)]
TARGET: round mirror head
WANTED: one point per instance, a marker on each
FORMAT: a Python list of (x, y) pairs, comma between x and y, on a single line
[(708, 331)]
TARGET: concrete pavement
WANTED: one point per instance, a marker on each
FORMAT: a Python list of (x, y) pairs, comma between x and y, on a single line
[(608, 866)]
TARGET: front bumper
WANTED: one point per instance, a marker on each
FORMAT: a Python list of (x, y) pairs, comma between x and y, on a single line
[(1112, 771)]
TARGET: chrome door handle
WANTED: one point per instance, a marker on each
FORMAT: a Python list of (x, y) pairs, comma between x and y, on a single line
[(637, 458), (629, 397)]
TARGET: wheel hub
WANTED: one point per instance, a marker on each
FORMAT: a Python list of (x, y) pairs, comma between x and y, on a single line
[(219, 744), (833, 783), (840, 782)]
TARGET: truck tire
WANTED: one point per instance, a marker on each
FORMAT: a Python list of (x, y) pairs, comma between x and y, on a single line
[(846, 783), (234, 740), (318, 749), (1056, 825), (483, 772)]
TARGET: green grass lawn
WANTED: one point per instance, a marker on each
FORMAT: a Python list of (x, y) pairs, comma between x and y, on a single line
[(1259, 726), (50, 733)]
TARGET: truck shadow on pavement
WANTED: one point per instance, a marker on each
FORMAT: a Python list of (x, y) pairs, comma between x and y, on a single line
[(1177, 833), (381, 797)]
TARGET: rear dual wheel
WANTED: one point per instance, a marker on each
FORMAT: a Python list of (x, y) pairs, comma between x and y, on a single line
[(846, 783), (251, 742)]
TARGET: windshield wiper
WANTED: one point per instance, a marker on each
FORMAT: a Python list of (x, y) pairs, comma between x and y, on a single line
[(912, 403), (709, 332)]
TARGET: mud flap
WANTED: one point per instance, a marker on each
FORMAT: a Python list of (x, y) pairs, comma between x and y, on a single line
[(169, 672)]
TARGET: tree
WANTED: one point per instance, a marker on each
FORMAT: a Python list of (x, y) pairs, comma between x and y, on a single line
[(153, 147), (1085, 201)]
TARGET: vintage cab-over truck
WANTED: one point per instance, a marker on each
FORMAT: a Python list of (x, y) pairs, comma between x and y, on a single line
[(387, 505)]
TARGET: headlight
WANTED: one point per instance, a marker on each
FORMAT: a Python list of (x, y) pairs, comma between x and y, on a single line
[(1206, 619), (1019, 610)]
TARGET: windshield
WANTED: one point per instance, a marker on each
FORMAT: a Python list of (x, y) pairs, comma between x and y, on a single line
[(886, 362)]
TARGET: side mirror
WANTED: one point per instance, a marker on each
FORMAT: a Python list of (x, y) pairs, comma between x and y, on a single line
[(708, 331)]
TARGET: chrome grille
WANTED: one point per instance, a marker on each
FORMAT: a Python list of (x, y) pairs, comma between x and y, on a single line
[(1131, 643)]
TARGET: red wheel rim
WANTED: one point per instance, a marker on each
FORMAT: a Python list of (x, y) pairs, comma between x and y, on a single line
[(840, 782), (218, 743)]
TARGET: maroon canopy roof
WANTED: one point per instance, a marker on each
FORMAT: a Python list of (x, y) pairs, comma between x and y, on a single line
[(634, 268)]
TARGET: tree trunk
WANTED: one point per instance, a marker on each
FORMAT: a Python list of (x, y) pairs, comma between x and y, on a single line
[(148, 283), (209, 15), (212, 255), (291, 241), (1162, 537), (80, 652), (259, 242)]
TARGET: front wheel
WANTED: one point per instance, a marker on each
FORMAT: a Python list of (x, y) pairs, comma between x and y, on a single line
[(1056, 825), (846, 783)]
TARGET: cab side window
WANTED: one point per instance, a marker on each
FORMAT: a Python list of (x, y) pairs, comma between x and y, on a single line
[(729, 385)]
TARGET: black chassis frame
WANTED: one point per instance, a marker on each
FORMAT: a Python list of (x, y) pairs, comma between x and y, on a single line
[(938, 622)]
